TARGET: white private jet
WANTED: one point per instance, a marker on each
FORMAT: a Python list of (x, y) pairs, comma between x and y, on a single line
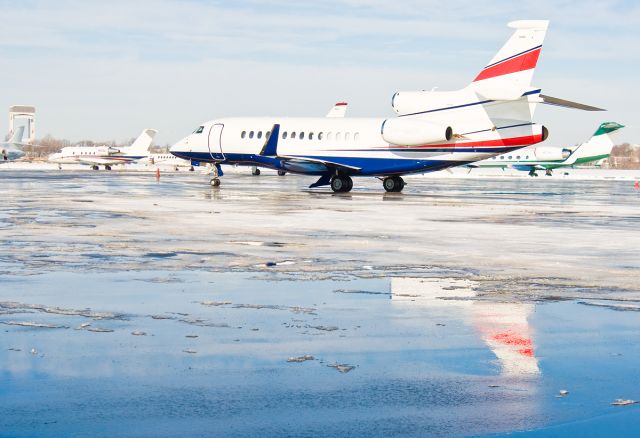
[(546, 158), (106, 155), (12, 149), (434, 130)]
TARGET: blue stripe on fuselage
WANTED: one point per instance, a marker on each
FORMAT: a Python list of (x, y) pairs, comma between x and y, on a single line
[(369, 166)]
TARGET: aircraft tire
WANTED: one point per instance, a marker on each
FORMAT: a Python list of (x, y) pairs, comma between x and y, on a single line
[(341, 184), (215, 182), (393, 184), (94, 167), (255, 172), (281, 173), (107, 167)]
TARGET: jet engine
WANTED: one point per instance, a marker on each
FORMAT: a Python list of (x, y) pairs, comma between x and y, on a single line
[(111, 151), (411, 132), (551, 154)]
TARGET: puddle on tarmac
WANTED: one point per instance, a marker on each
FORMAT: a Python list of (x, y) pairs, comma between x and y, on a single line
[(235, 351)]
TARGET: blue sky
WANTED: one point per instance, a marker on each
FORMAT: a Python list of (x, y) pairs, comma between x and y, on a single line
[(106, 70)]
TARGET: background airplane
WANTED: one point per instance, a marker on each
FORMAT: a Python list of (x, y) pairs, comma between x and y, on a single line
[(548, 158), (105, 155), (434, 130), (12, 149)]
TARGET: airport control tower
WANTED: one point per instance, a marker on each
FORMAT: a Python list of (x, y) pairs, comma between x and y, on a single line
[(28, 113)]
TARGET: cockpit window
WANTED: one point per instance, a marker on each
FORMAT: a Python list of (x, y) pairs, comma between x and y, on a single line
[(199, 130)]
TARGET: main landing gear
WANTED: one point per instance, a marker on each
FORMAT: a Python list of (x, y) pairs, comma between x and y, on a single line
[(341, 184), (281, 173), (393, 184), (255, 171), (549, 172), (95, 167), (107, 167), (532, 172)]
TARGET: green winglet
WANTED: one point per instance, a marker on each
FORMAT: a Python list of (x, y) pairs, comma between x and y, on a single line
[(608, 127)]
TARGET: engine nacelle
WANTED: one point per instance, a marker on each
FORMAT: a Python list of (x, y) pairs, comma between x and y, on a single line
[(111, 151), (411, 132), (551, 154)]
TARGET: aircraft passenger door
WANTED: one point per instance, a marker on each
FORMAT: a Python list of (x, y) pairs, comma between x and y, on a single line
[(215, 142)]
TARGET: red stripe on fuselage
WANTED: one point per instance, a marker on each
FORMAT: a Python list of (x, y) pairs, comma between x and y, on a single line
[(526, 61), (513, 141)]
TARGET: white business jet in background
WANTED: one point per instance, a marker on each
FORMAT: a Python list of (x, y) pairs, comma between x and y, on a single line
[(434, 130), (13, 148), (106, 156)]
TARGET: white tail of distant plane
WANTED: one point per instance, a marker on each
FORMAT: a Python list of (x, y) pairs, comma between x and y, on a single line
[(599, 145), (141, 144), (17, 136), (338, 110)]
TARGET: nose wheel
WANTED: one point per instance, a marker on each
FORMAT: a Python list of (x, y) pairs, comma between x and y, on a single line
[(393, 184), (341, 184)]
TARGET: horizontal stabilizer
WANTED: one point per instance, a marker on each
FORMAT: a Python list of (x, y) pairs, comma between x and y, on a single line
[(568, 104)]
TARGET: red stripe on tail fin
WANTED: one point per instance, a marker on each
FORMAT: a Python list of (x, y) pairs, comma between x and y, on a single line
[(526, 61)]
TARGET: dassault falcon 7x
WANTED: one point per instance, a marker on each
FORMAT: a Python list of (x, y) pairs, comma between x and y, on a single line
[(433, 130), (547, 158), (106, 155)]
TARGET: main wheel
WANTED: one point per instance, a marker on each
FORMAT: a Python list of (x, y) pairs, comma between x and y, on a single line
[(549, 172), (215, 182), (341, 184), (107, 167), (282, 172), (393, 184), (94, 167), (255, 171)]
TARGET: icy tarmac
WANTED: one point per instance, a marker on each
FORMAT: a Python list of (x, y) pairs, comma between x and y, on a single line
[(463, 306)]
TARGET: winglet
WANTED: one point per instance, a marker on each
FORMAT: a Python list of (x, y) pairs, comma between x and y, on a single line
[(270, 148)]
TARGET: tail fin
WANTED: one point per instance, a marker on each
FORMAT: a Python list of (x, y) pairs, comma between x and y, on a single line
[(143, 142), (338, 110), (16, 138), (508, 75), (599, 145)]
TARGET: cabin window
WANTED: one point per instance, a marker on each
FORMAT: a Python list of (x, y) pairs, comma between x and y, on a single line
[(356, 136), (319, 135), (329, 135), (502, 157), (284, 135), (267, 135), (251, 134), (311, 136), (347, 136), (244, 134), (518, 157), (338, 136), (493, 158), (199, 130), (293, 134), (259, 134), (527, 157), (301, 136), (510, 156)]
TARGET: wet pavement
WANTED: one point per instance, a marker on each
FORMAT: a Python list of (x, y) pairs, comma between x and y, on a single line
[(132, 306)]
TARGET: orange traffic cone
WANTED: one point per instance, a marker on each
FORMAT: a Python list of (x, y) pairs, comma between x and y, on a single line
[(158, 173)]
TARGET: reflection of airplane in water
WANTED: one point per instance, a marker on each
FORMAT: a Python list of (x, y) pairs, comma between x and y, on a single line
[(503, 327)]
